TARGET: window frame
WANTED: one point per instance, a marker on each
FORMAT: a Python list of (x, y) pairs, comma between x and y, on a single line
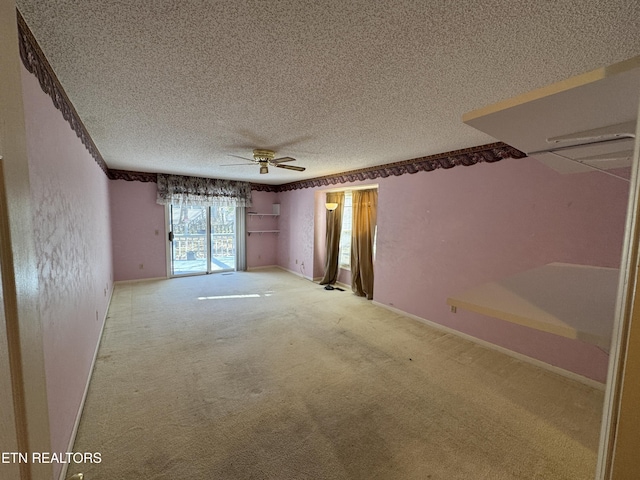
[(345, 234)]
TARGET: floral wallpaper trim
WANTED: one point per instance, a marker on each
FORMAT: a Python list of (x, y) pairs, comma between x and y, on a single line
[(263, 187), (36, 63), (132, 176), (490, 153)]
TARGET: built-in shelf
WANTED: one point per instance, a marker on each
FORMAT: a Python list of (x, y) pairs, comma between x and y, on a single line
[(573, 301), (263, 215), (262, 231), (269, 225)]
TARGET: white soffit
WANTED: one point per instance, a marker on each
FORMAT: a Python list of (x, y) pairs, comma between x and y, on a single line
[(554, 124)]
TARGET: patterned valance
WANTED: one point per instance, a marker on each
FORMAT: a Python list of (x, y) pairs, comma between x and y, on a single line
[(178, 189)]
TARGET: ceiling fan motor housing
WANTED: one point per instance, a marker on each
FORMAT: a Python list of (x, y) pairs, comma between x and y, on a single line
[(261, 155), (265, 158)]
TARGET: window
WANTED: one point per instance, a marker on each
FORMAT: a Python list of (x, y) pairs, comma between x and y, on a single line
[(344, 256), (345, 234)]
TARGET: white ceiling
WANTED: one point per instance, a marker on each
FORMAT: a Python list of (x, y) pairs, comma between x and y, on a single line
[(183, 86)]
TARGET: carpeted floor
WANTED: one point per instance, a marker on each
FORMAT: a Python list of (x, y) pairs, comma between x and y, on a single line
[(264, 375)]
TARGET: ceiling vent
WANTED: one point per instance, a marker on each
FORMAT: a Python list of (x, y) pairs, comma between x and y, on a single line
[(605, 148)]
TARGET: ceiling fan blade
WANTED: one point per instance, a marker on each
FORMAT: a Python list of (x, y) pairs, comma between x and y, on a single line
[(283, 159), (236, 164), (243, 158), (290, 167)]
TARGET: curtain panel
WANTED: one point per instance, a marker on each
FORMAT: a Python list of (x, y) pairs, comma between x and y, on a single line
[(241, 244), (365, 206), (179, 190), (332, 249)]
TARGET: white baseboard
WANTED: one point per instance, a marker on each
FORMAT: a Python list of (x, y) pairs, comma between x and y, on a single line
[(76, 425), (136, 280), (298, 274), (262, 267), (519, 356)]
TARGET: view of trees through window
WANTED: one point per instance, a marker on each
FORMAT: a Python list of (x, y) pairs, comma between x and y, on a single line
[(194, 248)]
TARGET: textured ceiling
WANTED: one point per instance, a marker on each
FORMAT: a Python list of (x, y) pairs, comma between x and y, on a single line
[(183, 86)]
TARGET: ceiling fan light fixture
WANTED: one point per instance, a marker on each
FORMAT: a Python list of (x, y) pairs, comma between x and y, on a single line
[(264, 169)]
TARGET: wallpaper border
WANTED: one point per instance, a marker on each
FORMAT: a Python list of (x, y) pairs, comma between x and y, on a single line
[(35, 62), (489, 153), (130, 176)]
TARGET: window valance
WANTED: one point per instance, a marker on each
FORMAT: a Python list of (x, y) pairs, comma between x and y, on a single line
[(178, 189)]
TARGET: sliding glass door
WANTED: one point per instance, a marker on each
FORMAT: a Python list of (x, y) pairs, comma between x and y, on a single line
[(202, 239), (223, 238), (188, 237)]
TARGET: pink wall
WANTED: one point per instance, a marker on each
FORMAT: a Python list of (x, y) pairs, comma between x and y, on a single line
[(302, 231), (439, 233), (136, 217), (296, 239), (262, 249), (319, 235), (506, 218), (138, 231), (72, 236), (442, 232)]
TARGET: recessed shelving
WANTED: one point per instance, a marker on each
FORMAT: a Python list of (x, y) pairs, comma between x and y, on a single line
[(260, 215), (262, 231), (260, 226)]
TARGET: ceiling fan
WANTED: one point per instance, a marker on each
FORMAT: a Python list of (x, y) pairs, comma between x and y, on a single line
[(265, 158)]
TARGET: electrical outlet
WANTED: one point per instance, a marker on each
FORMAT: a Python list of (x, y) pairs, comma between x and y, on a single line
[(296, 261)]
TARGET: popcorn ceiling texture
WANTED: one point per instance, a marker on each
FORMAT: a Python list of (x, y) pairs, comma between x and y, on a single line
[(182, 87)]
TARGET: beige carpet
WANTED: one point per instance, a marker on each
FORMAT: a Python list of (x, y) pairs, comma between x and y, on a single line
[(264, 375)]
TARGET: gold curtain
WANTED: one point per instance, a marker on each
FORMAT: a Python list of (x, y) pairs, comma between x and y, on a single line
[(334, 227), (365, 207)]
